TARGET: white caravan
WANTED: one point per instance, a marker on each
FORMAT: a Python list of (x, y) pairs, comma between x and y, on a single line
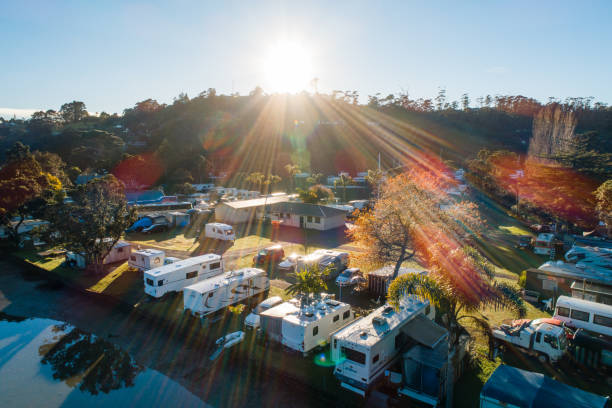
[(312, 326), (214, 294), (584, 314), (175, 276), (145, 259), (543, 244), (217, 230), (363, 350), (252, 320)]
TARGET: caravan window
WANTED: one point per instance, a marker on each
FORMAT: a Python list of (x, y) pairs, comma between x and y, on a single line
[(602, 320), (191, 275), (120, 249), (336, 318), (375, 359), (160, 282), (150, 282), (563, 311), (133, 258), (353, 355), (346, 314), (315, 330), (580, 315), (215, 265)]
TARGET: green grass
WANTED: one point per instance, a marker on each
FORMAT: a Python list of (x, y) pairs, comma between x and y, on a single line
[(250, 241)]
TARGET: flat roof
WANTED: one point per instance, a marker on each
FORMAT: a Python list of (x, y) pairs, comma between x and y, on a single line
[(387, 271), (256, 202), (184, 263), (148, 251), (566, 270), (365, 332), (282, 310), (224, 279), (586, 304), (315, 312)]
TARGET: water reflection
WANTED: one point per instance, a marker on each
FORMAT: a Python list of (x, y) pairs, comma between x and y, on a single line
[(96, 365)]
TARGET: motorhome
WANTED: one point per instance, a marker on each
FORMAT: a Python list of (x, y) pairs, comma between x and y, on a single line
[(175, 276), (145, 259), (311, 326), (212, 295), (217, 230), (584, 314), (363, 350), (543, 244)]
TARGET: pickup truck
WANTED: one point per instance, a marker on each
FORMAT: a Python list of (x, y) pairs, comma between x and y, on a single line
[(537, 337)]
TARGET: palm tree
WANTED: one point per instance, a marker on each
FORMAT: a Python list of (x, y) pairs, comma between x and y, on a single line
[(315, 178), (256, 179), (309, 281), (271, 181), (292, 170), (343, 181), (375, 178), (460, 287)]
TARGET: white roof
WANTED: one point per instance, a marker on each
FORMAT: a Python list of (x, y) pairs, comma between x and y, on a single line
[(591, 274), (271, 301), (585, 304), (121, 244), (315, 312), (547, 236), (148, 252), (282, 310), (258, 202), (366, 333), (196, 260), (224, 279), (219, 225)]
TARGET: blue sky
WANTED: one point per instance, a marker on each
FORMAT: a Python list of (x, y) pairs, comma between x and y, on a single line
[(113, 54)]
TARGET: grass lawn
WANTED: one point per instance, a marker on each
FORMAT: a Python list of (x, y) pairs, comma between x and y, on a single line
[(165, 240)]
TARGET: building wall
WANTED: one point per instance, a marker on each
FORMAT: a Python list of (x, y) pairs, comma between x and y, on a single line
[(115, 255), (325, 223)]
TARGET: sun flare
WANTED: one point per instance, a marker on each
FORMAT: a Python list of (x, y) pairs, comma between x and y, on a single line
[(287, 67)]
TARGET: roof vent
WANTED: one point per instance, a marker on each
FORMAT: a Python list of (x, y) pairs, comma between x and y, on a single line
[(363, 334), (388, 310), (379, 321)]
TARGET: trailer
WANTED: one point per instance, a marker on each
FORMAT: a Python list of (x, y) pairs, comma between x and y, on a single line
[(217, 230), (543, 243), (118, 253), (363, 350), (311, 326), (584, 314), (145, 259), (214, 294), (175, 276)]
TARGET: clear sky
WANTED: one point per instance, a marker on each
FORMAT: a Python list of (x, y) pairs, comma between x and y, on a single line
[(111, 54)]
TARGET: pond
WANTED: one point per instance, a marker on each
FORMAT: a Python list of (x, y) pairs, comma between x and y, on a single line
[(50, 363)]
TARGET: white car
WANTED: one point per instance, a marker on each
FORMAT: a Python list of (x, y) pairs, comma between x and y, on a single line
[(289, 263), (350, 277), (252, 320)]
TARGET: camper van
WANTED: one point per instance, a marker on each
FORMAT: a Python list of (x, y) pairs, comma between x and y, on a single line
[(584, 314), (211, 295), (145, 259), (175, 276), (312, 326), (363, 350), (337, 262), (543, 244), (223, 232)]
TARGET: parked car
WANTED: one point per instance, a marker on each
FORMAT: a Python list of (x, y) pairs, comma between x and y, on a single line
[(269, 256), (525, 242), (155, 228), (289, 263), (350, 277)]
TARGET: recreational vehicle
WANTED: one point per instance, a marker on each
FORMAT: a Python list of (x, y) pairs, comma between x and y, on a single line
[(211, 295), (313, 325), (543, 244), (217, 230), (363, 350), (584, 314), (252, 320), (119, 253), (175, 276), (145, 259)]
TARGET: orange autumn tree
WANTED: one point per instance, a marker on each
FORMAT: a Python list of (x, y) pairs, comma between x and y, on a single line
[(410, 205)]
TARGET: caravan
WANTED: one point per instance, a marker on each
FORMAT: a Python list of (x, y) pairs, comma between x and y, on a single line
[(145, 259), (365, 349), (313, 325), (217, 230), (214, 294), (543, 244), (175, 276)]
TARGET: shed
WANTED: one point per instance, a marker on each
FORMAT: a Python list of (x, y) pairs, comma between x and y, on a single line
[(380, 279), (241, 211), (513, 387)]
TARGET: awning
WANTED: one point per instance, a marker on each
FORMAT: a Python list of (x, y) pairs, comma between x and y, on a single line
[(424, 331)]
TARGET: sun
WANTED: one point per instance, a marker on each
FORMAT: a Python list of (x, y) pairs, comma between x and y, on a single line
[(287, 67)]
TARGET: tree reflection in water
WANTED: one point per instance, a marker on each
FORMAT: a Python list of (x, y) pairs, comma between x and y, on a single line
[(98, 365)]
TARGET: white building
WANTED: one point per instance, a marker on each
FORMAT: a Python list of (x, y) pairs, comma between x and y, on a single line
[(310, 216), (26, 226), (241, 211)]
